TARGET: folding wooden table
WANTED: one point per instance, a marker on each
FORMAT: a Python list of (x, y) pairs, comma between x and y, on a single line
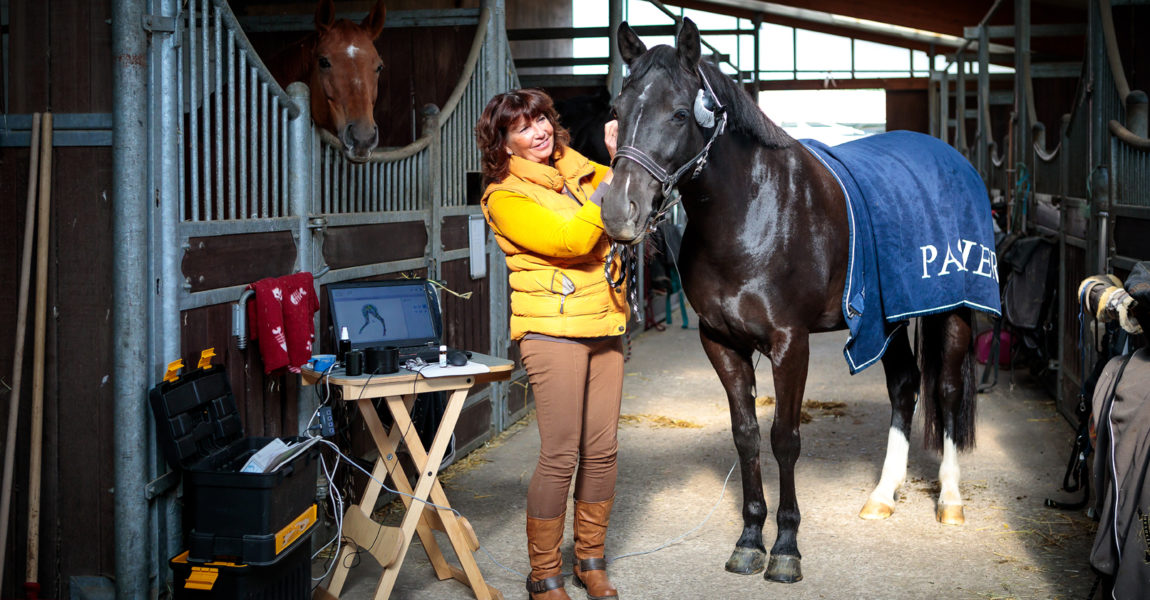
[(388, 545)]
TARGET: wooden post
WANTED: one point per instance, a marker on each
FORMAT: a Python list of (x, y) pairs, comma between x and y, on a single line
[(37, 427)]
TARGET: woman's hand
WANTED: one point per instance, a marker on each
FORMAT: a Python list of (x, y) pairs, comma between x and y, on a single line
[(610, 135)]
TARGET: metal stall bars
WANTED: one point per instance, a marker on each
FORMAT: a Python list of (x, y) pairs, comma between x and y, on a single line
[(219, 130), (427, 181), (1129, 160), (236, 155)]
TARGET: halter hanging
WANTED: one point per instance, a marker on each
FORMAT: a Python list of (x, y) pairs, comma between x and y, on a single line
[(670, 181)]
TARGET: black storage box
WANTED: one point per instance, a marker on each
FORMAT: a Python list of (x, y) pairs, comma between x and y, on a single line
[(231, 516), (287, 579)]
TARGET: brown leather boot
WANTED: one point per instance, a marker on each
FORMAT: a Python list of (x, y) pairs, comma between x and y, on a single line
[(590, 531), (543, 539)]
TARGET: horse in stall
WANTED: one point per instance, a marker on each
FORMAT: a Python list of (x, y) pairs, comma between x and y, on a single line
[(769, 256), (341, 66)]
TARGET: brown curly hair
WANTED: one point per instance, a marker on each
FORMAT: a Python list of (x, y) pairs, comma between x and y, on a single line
[(503, 111)]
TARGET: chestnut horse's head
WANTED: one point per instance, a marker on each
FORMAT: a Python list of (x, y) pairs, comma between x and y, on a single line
[(344, 78)]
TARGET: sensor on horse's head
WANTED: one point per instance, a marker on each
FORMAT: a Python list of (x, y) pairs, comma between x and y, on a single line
[(706, 103)]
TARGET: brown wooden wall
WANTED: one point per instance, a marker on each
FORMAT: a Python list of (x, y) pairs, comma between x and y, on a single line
[(62, 63)]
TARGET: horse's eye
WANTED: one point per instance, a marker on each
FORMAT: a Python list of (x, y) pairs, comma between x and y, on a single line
[(680, 115), (378, 69), (324, 63)]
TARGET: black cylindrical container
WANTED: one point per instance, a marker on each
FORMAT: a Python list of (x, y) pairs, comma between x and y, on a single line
[(353, 363)]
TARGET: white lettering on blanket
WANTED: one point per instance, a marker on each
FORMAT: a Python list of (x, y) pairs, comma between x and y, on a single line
[(958, 256)]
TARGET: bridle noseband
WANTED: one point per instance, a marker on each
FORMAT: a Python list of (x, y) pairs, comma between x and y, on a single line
[(669, 181)]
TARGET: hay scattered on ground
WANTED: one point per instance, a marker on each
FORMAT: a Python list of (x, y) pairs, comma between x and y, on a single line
[(658, 421), (765, 401)]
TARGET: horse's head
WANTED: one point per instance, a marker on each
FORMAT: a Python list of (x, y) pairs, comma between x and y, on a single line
[(344, 78), (665, 121)]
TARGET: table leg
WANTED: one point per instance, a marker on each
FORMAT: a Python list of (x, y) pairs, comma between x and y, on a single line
[(460, 541)]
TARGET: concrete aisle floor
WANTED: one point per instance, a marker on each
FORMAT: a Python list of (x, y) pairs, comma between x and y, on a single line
[(670, 477)]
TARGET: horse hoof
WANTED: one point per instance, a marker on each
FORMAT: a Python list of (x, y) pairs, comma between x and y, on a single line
[(950, 514), (874, 510), (746, 561), (784, 569)]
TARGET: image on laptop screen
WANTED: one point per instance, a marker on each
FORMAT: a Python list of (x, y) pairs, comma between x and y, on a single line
[(397, 313)]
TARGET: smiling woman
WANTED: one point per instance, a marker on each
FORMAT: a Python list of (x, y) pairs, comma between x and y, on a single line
[(542, 202)]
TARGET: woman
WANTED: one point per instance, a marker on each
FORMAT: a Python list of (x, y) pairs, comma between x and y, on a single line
[(542, 202)]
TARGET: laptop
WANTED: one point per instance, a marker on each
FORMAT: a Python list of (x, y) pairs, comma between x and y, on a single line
[(397, 312)]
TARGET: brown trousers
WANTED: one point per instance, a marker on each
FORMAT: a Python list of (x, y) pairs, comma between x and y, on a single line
[(578, 388)]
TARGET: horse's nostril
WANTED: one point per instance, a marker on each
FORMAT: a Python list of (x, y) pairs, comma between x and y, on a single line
[(632, 211)]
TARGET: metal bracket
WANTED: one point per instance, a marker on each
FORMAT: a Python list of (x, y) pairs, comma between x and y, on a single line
[(158, 24), (161, 484)]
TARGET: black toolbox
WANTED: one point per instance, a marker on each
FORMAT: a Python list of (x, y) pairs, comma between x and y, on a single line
[(248, 518), (289, 578)]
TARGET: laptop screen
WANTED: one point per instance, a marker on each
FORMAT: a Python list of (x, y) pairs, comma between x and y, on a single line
[(398, 312)]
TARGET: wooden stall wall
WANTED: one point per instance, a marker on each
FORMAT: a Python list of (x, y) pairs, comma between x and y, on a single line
[(59, 59)]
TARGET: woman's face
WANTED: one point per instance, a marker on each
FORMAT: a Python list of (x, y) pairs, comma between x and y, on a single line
[(533, 140)]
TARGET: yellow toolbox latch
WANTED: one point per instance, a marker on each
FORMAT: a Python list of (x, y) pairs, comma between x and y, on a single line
[(202, 578)]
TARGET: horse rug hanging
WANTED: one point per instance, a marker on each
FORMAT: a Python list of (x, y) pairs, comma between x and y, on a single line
[(921, 236)]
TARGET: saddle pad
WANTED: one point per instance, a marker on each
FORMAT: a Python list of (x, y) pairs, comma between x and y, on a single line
[(922, 239)]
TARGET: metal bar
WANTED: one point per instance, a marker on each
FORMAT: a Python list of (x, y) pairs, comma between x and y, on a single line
[(206, 125), (273, 158), (233, 201), (218, 106), (395, 19), (1007, 31), (265, 126), (193, 129), (242, 146), (253, 143), (130, 287)]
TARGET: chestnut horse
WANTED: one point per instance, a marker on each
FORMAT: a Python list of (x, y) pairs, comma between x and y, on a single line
[(764, 264), (341, 67)]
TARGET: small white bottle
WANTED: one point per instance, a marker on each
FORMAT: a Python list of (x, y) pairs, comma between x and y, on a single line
[(443, 356)]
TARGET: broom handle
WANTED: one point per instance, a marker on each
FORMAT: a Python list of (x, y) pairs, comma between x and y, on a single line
[(38, 357), (18, 354)]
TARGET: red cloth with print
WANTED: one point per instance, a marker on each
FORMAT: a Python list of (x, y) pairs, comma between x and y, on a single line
[(281, 319)]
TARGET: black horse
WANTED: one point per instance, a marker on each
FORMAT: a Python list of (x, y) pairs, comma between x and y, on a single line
[(764, 264)]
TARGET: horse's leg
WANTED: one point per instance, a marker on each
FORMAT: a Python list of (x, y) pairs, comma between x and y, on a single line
[(738, 376), (954, 416), (902, 379), (790, 353)]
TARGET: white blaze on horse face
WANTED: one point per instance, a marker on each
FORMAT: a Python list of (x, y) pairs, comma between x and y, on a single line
[(352, 50), (893, 469), (948, 473)]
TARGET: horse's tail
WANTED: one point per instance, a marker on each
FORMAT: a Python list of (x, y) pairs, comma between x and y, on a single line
[(948, 389)]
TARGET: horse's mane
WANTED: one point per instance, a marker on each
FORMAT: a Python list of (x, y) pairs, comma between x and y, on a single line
[(743, 114)]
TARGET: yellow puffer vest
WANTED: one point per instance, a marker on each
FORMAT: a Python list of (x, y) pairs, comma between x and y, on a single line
[(538, 303)]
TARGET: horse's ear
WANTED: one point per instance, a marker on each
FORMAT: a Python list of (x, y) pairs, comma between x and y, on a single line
[(630, 46), (373, 22), (324, 15), (687, 45)]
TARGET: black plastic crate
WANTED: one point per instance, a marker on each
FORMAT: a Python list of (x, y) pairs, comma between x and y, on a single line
[(239, 517), (289, 578)]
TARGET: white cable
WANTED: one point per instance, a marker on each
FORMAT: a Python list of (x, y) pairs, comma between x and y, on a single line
[(690, 531)]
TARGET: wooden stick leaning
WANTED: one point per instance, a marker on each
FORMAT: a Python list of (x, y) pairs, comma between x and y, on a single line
[(18, 355), (37, 433)]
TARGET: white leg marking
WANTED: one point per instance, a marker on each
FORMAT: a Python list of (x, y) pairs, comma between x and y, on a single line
[(948, 473), (893, 468)]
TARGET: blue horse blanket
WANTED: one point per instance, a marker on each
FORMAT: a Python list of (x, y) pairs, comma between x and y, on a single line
[(922, 240)]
